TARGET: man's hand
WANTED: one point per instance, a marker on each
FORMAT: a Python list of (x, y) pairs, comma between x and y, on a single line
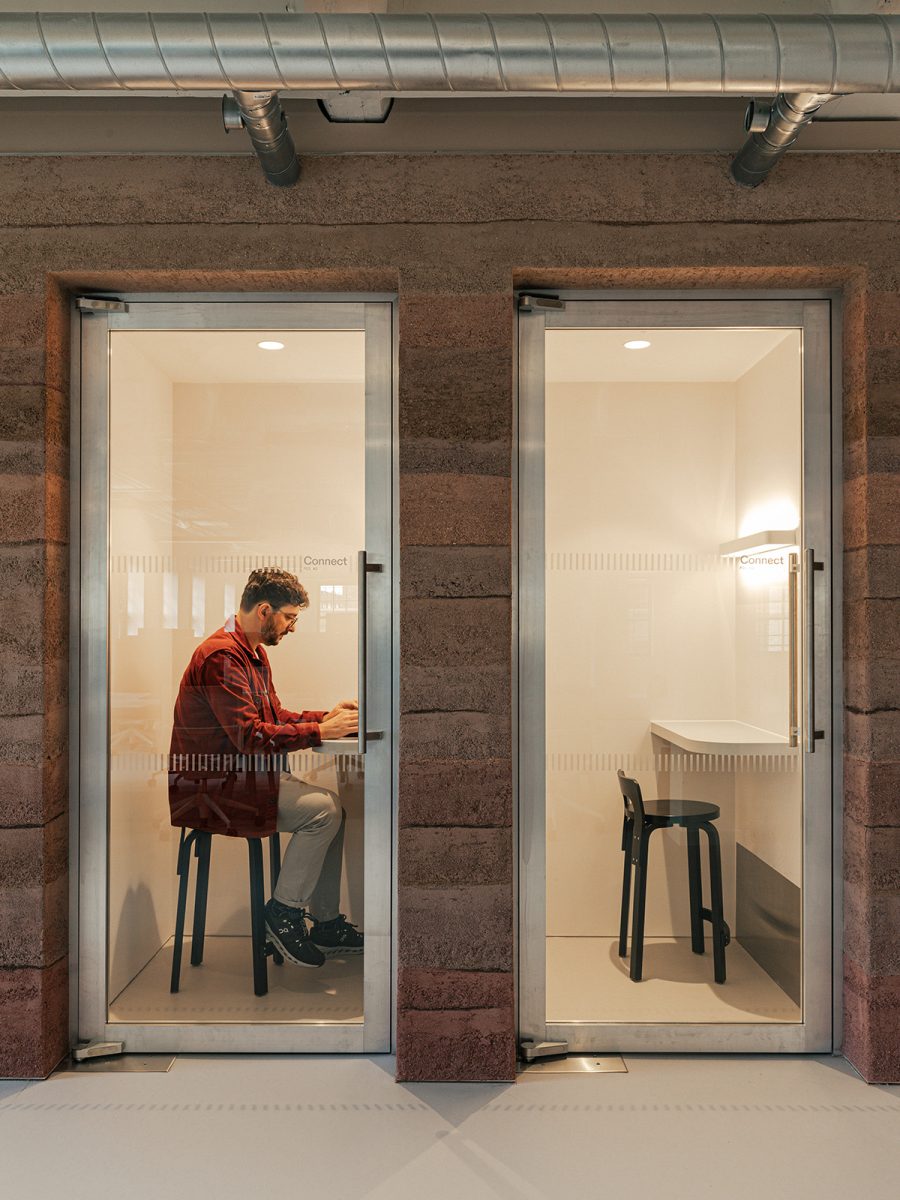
[(341, 721), (344, 705)]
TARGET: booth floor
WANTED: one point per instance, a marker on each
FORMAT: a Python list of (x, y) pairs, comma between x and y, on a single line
[(233, 1127), (587, 981), (221, 988)]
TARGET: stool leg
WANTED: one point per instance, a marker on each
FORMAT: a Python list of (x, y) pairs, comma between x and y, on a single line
[(716, 905), (184, 867), (274, 872), (201, 891), (627, 834), (257, 918), (640, 902), (274, 859), (695, 884)]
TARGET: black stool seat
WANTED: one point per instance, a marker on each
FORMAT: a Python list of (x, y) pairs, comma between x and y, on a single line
[(641, 820), (680, 812)]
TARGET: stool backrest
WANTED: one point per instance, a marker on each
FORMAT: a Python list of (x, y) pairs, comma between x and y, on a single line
[(631, 794)]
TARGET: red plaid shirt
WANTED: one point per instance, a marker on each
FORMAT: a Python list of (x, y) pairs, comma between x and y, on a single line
[(229, 736)]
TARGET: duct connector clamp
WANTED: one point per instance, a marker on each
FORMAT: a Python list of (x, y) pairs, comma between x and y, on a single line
[(773, 129), (261, 114)]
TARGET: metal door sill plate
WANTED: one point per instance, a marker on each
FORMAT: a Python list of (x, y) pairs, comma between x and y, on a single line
[(123, 1064), (575, 1064)]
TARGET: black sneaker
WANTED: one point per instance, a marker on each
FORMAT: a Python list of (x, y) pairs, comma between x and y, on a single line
[(337, 936), (286, 930)]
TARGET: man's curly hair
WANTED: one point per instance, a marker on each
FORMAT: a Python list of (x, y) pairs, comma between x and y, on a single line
[(272, 585)]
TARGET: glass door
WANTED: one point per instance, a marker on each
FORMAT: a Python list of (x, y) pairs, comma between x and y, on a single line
[(675, 577), (235, 607)]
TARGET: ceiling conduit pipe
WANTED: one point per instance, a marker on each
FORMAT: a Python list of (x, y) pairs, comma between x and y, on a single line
[(764, 147), (263, 118), (474, 54)]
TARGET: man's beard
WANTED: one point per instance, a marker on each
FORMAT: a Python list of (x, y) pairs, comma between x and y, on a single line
[(269, 634)]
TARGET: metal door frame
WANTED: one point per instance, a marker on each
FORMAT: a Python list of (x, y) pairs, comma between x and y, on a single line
[(88, 764), (819, 314)]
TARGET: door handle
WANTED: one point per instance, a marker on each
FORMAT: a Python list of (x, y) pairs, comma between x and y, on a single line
[(793, 713), (811, 734), (363, 736)]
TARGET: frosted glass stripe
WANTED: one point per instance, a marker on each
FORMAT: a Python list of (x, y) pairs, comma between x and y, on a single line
[(647, 561), (301, 761), (558, 763), (228, 564)]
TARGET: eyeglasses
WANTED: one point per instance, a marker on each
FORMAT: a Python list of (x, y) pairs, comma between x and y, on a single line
[(291, 618)]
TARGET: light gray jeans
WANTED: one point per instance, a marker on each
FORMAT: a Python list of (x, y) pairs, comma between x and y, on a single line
[(311, 866)]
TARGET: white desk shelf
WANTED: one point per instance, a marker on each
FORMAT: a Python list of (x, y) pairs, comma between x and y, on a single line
[(337, 746), (720, 737)]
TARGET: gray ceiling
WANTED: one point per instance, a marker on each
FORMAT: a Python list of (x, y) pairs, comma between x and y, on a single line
[(120, 124)]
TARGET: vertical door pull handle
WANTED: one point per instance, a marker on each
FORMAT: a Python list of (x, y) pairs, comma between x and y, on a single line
[(793, 648), (364, 567), (811, 735)]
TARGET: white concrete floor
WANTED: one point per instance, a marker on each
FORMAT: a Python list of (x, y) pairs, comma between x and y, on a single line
[(236, 1128)]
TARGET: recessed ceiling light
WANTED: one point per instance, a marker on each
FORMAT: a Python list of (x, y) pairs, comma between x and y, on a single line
[(270, 345), (637, 344)]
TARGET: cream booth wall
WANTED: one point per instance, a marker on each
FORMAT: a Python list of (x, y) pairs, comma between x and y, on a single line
[(274, 474), (645, 621), (209, 481), (768, 802), (143, 845), (640, 493)]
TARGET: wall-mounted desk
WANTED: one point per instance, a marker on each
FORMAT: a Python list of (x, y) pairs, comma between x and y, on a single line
[(720, 737)]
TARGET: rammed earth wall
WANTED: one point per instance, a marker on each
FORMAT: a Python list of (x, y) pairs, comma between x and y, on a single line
[(453, 236)]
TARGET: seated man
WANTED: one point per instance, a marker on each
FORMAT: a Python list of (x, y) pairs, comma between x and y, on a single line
[(229, 739)]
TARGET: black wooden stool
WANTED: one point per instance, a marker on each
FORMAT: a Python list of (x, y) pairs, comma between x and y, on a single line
[(201, 841), (640, 821)]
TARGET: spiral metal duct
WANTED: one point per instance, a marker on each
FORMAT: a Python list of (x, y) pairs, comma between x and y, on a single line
[(421, 54), (477, 53)]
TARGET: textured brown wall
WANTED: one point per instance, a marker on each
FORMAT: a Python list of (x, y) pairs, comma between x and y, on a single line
[(453, 235)]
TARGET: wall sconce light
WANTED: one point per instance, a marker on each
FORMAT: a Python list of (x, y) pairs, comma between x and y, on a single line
[(759, 543)]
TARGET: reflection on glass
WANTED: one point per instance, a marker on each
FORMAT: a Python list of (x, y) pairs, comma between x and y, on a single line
[(198, 606), (675, 651), (225, 460), (170, 601)]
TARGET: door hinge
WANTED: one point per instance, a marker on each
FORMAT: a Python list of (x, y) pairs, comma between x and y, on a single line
[(530, 303), (530, 1049), (97, 1049), (100, 304)]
